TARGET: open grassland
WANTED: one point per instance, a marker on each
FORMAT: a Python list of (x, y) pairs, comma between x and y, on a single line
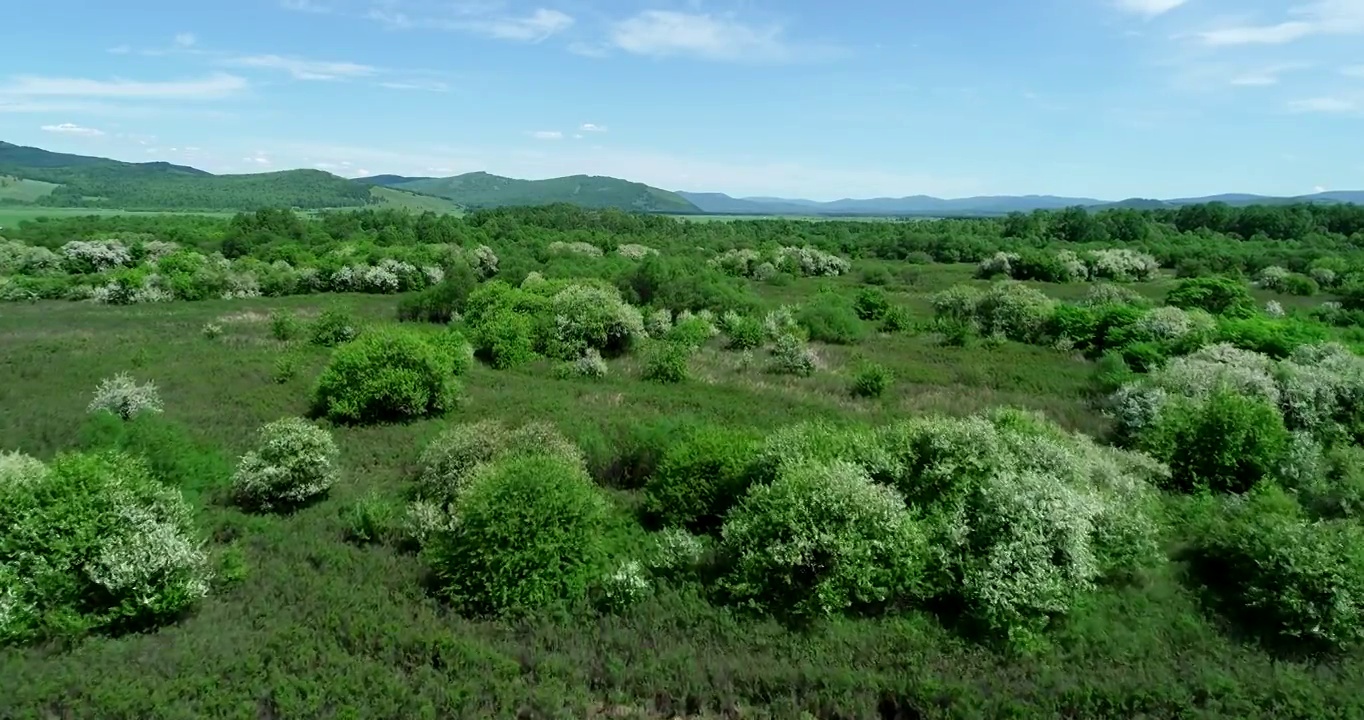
[(23, 190), (398, 199)]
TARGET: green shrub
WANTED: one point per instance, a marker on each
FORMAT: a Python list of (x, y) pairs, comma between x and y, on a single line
[(286, 368), (831, 318), (506, 339), (453, 344), (334, 327), (386, 374), (173, 455), (528, 535), (212, 331), (93, 543), (1301, 285), (1218, 295), (441, 302), (1286, 579), (897, 320), (744, 333), (820, 540), (286, 326), (871, 381), (871, 304), (667, 362), (1111, 372), (372, 519), (690, 331), (291, 465), (1334, 486), (1226, 442), (588, 317), (700, 478), (1014, 311), (449, 461), (792, 356)]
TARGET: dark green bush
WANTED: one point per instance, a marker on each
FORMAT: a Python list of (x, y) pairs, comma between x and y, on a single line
[(506, 339), (699, 478), (387, 374), (1301, 285), (529, 534), (1284, 578), (1218, 295), (173, 455), (334, 327), (871, 381), (831, 318), (1225, 443), (285, 326), (897, 320), (372, 519), (442, 301), (744, 334), (667, 362), (871, 303)]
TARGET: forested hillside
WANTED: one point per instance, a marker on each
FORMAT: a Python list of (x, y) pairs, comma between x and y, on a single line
[(481, 189), (103, 183)]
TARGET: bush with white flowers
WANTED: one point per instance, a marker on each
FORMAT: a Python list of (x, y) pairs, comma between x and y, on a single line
[(810, 262), (450, 461), (93, 542), (1169, 324), (779, 322), (791, 355), (95, 256), (1013, 310), (559, 247), (1272, 277), (592, 317), (625, 586), (1121, 265), (122, 396), (293, 463), (590, 365), (658, 322), (635, 251), (1001, 263), (819, 540)]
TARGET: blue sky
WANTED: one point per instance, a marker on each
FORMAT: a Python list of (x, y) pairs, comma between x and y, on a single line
[(795, 98)]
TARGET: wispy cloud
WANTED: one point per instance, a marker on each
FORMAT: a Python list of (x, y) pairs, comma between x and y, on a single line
[(304, 69), (185, 40), (1148, 8), (535, 27), (308, 6), (72, 129), (578, 47), (1321, 17), (1353, 71), (213, 86), (547, 135), (423, 85), (1325, 104), (667, 33), (592, 127)]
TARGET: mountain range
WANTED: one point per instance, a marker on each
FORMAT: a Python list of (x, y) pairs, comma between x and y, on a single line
[(37, 177)]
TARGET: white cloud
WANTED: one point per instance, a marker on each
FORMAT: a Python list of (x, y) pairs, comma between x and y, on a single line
[(303, 69), (120, 50), (1320, 17), (257, 159), (535, 27), (578, 47), (73, 129), (426, 85), (592, 127), (1148, 8), (213, 86), (666, 33), (1319, 188), (1324, 104), (547, 135), (1354, 71), (185, 40), (308, 6)]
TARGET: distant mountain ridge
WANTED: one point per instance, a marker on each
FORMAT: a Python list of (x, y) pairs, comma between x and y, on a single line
[(33, 176), (481, 189), (719, 203)]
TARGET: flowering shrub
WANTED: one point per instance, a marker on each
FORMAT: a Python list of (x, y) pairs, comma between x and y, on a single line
[(820, 540), (93, 543), (385, 374), (1272, 277), (793, 356), (625, 586), (590, 365), (676, 552), (1121, 265), (483, 260), (527, 534), (292, 464), (805, 261), (658, 323), (94, 256), (1109, 294), (1001, 263), (122, 396), (699, 478), (559, 247), (1014, 311), (635, 251), (449, 462), (591, 317), (781, 321), (1171, 324)]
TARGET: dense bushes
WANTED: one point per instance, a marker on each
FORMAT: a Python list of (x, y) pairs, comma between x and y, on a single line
[(122, 396), (699, 478), (528, 533), (831, 318), (443, 301), (92, 543), (386, 374)]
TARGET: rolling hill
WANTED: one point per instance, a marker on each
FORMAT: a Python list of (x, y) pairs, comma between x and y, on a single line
[(81, 181), (480, 190)]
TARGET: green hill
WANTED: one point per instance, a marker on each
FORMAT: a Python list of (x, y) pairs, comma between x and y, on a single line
[(20, 190), (394, 198), (103, 183), (482, 190)]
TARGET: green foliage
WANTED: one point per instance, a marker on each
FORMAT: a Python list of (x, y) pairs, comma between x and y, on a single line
[(372, 519), (388, 373), (744, 333), (1286, 579), (529, 534), (505, 339), (172, 454), (1222, 296), (821, 540), (334, 327), (690, 332), (699, 478), (441, 302), (871, 381), (831, 318), (286, 327), (872, 304), (667, 362), (897, 320), (93, 543), (1227, 442), (449, 462)]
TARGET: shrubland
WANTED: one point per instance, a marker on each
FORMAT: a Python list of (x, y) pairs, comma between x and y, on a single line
[(751, 468)]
